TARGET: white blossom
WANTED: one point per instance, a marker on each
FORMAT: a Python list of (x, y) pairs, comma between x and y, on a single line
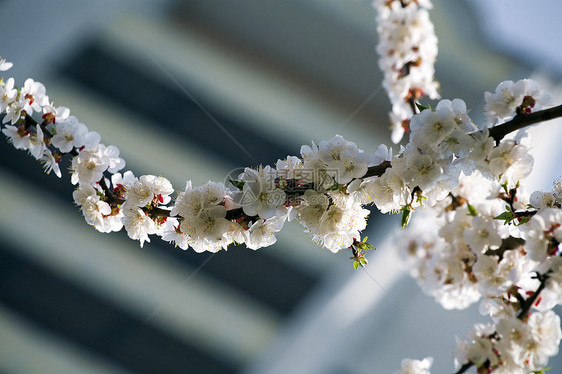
[(429, 128), (552, 294), (483, 234), (510, 162), (70, 133), (262, 232), (8, 93), (19, 137), (479, 349), (171, 233), (343, 159), (422, 170), (290, 168), (148, 188), (37, 146), (544, 233), (541, 199), (382, 154), (35, 95), (90, 164), (122, 183), (14, 111), (138, 225), (96, 211), (50, 163), (260, 194), (5, 65), (409, 366), (389, 192)]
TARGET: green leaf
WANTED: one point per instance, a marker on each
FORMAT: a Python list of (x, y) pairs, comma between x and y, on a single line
[(421, 108), (523, 221), (364, 246), (506, 216), (355, 264), (334, 187), (406, 215), (471, 210), (237, 184)]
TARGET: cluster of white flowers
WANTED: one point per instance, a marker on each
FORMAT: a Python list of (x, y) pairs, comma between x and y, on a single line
[(512, 345), (520, 97), (489, 240), (407, 48), (96, 211)]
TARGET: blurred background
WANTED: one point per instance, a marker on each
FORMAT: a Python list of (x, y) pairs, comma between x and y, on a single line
[(193, 89)]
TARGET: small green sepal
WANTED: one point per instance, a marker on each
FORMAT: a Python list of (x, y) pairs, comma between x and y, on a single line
[(334, 187), (406, 215), (421, 108), (523, 220), (237, 184), (471, 210)]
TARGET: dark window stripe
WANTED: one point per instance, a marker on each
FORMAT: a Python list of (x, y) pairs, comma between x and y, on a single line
[(169, 109), (61, 307)]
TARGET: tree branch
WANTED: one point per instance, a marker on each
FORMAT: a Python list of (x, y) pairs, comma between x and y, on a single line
[(523, 120), (531, 300), (109, 194), (508, 244), (464, 368), (159, 212), (378, 170)]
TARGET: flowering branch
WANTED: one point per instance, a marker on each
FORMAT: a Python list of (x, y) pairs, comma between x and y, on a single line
[(465, 173), (522, 315)]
